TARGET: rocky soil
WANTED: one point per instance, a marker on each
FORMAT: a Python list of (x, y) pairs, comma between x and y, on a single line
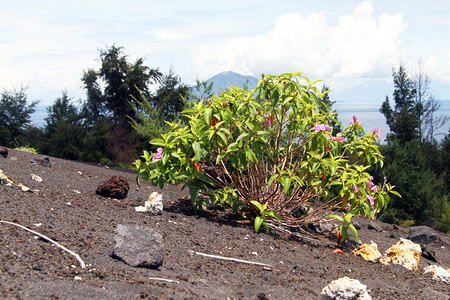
[(65, 208)]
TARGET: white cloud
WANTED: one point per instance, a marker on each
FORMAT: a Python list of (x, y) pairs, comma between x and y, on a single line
[(438, 67), (359, 45)]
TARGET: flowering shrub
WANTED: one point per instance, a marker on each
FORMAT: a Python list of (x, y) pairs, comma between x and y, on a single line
[(269, 152)]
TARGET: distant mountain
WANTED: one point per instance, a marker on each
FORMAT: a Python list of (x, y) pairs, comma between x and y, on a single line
[(225, 79)]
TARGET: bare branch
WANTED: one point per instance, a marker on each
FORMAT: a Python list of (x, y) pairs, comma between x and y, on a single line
[(231, 259), (83, 265)]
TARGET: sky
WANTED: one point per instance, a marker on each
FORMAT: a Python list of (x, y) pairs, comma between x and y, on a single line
[(47, 45)]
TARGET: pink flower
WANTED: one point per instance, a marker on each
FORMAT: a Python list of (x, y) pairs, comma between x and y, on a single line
[(338, 138), (371, 200), (267, 121), (158, 154), (376, 132), (355, 188), (355, 120), (374, 188), (321, 127)]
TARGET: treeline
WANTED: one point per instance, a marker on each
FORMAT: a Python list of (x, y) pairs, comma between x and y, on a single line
[(116, 120), (127, 103), (415, 162)]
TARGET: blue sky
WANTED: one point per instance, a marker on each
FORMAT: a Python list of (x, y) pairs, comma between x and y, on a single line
[(46, 45)]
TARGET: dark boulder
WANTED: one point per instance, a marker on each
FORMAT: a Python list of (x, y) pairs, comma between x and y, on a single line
[(422, 235), (42, 161), (4, 152), (116, 187), (374, 226)]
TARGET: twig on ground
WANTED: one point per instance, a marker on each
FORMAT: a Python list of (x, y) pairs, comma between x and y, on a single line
[(83, 265), (232, 259), (163, 279)]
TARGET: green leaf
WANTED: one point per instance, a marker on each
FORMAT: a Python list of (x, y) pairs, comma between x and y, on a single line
[(222, 137), (355, 232), (220, 156), (197, 150), (258, 205), (286, 182), (339, 218), (396, 193), (344, 232), (176, 155), (242, 136), (193, 193), (161, 182), (164, 158), (273, 214), (208, 115), (232, 147), (158, 142), (206, 179), (258, 222), (271, 179)]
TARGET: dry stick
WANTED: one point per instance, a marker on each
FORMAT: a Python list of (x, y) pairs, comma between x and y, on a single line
[(83, 265), (232, 259), (164, 280)]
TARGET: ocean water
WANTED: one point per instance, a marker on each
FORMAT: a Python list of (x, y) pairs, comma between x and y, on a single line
[(370, 117), (366, 111)]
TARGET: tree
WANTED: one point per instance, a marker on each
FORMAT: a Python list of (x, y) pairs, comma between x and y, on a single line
[(111, 87), (170, 97), (202, 90), (403, 120), (15, 116), (111, 91), (63, 129), (426, 105), (147, 124), (413, 161), (328, 104)]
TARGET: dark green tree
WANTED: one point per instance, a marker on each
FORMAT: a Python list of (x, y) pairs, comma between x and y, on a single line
[(63, 129), (170, 97), (147, 123), (444, 147), (15, 116), (403, 120), (111, 91), (414, 162), (327, 104)]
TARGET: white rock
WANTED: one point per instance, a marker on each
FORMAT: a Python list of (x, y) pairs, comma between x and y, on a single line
[(405, 253), (154, 204), (345, 288), (140, 209), (24, 188), (36, 178), (439, 273)]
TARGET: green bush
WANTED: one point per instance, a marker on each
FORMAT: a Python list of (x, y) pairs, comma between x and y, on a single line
[(270, 146)]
